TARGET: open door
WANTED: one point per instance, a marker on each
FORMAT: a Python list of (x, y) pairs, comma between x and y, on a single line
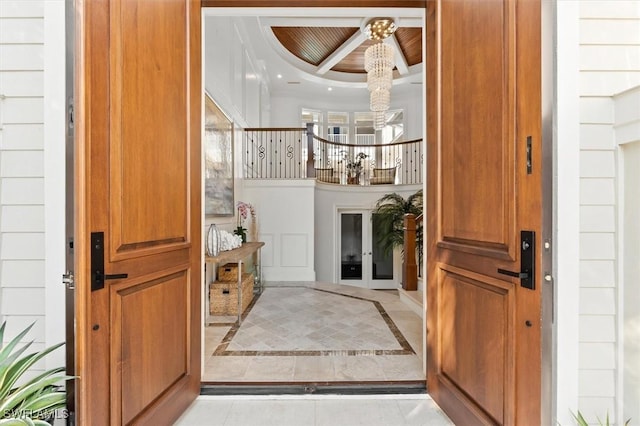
[(484, 189), (137, 210)]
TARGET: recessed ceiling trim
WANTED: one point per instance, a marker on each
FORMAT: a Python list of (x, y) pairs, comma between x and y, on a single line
[(341, 52)]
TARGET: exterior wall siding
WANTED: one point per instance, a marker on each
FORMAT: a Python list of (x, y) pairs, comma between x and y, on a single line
[(22, 254), (609, 63)]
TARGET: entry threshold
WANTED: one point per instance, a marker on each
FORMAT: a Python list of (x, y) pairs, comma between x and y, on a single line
[(326, 388)]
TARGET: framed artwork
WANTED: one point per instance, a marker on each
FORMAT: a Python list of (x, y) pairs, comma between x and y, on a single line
[(218, 161)]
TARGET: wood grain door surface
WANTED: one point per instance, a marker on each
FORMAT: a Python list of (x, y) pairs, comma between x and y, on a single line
[(138, 173), (484, 102)]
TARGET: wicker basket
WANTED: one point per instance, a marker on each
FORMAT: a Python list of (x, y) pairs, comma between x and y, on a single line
[(223, 296), (229, 272)]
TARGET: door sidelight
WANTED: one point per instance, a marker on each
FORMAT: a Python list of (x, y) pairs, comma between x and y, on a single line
[(98, 276), (527, 261)]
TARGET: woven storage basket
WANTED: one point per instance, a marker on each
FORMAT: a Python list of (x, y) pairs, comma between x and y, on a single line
[(229, 272), (223, 296)]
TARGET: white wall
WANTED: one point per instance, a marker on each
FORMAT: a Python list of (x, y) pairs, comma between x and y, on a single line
[(609, 63), (233, 77), (285, 215), (328, 199), (627, 131), (32, 125)]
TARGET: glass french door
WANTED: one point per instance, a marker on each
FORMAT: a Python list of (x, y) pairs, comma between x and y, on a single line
[(362, 261)]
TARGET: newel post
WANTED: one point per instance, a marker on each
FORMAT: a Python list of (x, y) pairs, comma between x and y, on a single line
[(409, 266), (311, 171)]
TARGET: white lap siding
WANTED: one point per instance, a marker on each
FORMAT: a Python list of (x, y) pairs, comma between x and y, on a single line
[(22, 218), (609, 63)]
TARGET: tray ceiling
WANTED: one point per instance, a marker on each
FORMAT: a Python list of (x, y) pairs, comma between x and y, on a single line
[(318, 45)]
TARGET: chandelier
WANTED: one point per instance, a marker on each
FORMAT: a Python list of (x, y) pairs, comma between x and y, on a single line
[(379, 28), (378, 63)]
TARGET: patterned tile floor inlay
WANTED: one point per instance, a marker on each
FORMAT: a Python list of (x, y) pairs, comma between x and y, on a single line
[(303, 321), (319, 332)]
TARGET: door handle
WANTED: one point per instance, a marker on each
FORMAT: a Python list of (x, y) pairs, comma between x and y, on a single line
[(527, 274), (520, 275), (98, 277)]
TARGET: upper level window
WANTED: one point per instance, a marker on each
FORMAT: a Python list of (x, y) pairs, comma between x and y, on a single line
[(394, 127), (338, 127), (315, 117)]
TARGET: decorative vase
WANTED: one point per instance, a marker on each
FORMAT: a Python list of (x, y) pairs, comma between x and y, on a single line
[(212, 246), (353, 180), (242, 232)]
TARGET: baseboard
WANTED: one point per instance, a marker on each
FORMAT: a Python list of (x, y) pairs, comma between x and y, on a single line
[(413, 299)]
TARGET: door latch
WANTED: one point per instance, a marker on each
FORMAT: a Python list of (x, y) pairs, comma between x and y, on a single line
[(98, 276), (68, 280), (527, 261)]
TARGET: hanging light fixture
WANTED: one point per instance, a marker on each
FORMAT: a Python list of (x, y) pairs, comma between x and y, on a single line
[(379, 100), (379, 28), (379, 120), (378, 63)]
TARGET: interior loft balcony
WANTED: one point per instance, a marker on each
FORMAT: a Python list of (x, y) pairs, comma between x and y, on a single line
[(297, 153)]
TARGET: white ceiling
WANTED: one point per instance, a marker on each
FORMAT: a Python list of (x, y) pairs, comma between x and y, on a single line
[(299, 77)]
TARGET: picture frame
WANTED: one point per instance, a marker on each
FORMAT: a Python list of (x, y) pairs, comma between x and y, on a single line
[(218, 161)]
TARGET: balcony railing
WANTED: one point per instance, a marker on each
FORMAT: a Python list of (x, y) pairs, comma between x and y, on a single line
[(275, 153), (294, 153)]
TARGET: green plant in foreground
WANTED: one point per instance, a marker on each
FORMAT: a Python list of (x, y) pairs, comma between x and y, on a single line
[(583, 422), (31, 401)]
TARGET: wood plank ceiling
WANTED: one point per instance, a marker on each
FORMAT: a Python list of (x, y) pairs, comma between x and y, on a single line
[(315, 44)]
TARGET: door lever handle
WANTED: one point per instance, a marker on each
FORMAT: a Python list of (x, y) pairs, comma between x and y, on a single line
[(521, 275), (111, 276), (98, 277), (527, 261)]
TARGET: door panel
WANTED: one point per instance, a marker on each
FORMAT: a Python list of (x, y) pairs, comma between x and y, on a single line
[(142, 89), (141, 326), (483, 187), (139, 182), (469, 300), (477, 212)]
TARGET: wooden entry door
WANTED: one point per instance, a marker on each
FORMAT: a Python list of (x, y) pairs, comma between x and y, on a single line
[(484, 187), (138, 181)]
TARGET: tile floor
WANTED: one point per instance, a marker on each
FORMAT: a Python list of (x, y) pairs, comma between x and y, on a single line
[(307, 410), (316, 332)]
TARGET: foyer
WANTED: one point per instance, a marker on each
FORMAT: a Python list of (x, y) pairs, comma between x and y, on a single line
[(317, 333)]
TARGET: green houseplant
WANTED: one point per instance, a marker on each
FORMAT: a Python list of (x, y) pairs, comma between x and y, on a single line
[(28, 401), (583, 422), (390, 211)]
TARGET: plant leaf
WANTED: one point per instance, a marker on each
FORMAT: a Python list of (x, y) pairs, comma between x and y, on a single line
[(580, 419), (5, 366), (24, 392), (45, 402), (18, 369), (13, 422), (6, 350)]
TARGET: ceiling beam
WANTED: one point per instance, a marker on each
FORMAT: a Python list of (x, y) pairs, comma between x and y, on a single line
[(341, 52), (401, 61)]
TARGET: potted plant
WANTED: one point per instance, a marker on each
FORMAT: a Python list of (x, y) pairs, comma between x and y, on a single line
[(353, 166), (28, 401), (244, 209), (390, 211)]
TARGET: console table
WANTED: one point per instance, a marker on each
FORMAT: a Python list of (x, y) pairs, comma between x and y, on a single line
[(237, 255)]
